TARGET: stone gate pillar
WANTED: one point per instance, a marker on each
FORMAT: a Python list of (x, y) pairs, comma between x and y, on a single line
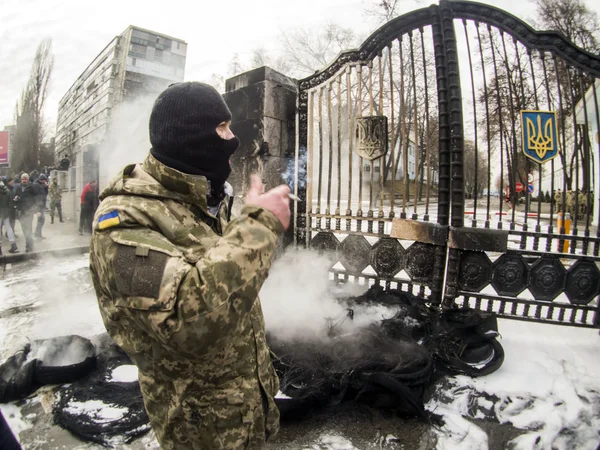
[(263, 107)]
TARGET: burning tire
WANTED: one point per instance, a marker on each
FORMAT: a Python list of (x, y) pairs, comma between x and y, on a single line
[(63, 359)]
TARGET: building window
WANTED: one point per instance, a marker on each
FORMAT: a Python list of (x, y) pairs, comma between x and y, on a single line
[(138, 49), (91, 87), (178, 45), (133, 61), (158, 54)]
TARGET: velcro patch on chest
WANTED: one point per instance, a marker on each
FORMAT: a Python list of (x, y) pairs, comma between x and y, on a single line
[(109, 220)]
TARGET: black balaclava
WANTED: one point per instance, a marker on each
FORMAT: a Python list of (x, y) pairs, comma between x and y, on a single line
[(183, 134)]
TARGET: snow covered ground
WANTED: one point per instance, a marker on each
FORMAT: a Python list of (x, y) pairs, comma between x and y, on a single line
[(548, 389), (548, 386)]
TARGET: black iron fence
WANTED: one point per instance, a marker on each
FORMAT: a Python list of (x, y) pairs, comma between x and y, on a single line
[(440, 154)]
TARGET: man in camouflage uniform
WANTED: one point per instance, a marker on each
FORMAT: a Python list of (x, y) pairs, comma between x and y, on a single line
[(581, 200), (178, 286), (55, 200), (558, 200), (570, 203)]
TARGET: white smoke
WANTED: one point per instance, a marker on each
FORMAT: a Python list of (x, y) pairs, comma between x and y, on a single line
[(289, 174), (127, 139), (59, 297), (299, 300)]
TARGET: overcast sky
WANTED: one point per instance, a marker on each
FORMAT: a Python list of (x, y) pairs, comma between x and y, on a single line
[(214, 31)]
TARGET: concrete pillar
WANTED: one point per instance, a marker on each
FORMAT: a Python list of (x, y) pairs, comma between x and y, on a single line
[(263, 107)]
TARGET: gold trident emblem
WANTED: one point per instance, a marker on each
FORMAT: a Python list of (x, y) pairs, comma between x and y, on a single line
[(540, 142)]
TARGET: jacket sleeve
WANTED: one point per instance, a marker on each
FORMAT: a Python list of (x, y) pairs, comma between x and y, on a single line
[(85, 190), (197, 307)]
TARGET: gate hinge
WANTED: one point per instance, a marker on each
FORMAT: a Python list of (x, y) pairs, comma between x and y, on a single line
[(413, 230), (478, 239)]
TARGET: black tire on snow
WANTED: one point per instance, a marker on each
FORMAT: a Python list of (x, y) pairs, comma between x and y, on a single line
[(51, 367)]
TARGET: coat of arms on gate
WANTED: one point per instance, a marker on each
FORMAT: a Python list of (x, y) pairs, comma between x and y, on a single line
[(371, 137), (540, 135)]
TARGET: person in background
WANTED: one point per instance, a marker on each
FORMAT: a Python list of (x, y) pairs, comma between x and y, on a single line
[(64, 163), (55, 200), (40, 187), (12, 216), (6, 205), (27, 206), (89, 203)]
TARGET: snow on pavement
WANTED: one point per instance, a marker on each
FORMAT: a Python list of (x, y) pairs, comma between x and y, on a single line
[(99, 411), (548, 386), (59, 300), (127, 373)]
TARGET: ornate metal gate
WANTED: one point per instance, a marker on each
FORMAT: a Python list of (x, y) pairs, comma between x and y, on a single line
[(403, 161)]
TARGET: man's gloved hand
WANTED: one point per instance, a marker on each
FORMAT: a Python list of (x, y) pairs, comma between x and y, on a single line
[(276, 200)]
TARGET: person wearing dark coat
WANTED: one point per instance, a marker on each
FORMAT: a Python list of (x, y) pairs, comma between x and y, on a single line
[(6, 206), (12, 213), (40, 187), (27, 206), (64, 163)]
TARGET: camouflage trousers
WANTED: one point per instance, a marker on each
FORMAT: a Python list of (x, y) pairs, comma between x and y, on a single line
[(217, 420), (55, 205)]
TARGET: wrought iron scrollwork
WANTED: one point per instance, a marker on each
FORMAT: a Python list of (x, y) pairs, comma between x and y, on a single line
[(583, 282), (372, 46), (420, 262), (547, 279), (475, 271), (325, 243), (541, 40), (510, 275), (387, 257), (355, 251)]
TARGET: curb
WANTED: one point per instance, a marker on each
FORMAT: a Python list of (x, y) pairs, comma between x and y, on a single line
[(55, 253)]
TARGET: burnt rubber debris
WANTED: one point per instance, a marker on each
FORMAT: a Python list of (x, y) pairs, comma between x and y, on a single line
[(388, 365)]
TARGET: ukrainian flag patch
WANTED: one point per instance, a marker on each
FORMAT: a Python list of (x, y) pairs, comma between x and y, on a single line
[(108, 220)]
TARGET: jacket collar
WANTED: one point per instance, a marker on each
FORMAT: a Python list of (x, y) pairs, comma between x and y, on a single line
[(189, 188)]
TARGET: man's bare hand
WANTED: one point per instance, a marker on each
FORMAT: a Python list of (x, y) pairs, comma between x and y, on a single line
[(276, 200)]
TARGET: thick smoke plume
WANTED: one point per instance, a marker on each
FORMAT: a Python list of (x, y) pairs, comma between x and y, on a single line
[(289, 175), (300, 302)]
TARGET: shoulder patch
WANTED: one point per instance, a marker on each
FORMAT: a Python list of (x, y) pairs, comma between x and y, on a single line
[(140, 275), (109, 220)]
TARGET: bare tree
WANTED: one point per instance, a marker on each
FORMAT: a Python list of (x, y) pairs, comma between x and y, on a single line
[(29, 109), (235, 65), (581, 26), (308, 50), (475, 169), (383, 10), (572, 18)]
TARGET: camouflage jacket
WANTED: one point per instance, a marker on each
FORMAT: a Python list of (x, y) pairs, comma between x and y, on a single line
[(55, 192), (178, 291)]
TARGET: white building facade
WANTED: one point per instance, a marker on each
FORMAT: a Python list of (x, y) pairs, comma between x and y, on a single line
[(136, 63)]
